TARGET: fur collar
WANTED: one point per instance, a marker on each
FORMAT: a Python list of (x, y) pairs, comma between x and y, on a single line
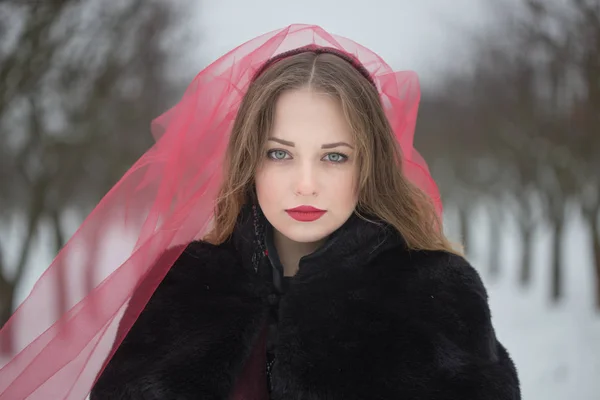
[(355, 240)]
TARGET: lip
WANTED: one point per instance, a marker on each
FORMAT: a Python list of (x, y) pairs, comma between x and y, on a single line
[(305, 213), (305, 209)]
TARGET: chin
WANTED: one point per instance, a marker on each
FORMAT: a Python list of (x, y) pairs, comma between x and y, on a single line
[(305, 235), (306, 232)]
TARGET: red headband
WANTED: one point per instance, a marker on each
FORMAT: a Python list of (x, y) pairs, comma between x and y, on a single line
[(318, 50)]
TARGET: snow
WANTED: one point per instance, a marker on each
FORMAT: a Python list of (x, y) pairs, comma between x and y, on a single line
[(556, 347)]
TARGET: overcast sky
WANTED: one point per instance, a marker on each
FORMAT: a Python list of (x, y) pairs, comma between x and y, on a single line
[(423, 35)]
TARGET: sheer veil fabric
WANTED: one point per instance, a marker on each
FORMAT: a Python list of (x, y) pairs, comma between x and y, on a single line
[(163, 202)]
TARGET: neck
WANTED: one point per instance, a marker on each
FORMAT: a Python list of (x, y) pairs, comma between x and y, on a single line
[(291, 252)]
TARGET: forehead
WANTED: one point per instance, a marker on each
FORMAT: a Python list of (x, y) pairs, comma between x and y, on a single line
[(305, 115)]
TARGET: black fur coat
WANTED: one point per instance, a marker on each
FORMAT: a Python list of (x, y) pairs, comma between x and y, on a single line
[(364, 318)]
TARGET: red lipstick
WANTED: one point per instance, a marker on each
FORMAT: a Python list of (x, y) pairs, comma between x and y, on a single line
[(305, 213)]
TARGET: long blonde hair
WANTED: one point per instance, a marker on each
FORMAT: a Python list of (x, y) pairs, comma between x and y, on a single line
[(384, 191)]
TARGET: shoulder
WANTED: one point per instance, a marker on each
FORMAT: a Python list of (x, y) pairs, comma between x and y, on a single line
[(175, 290), (450, 311), (197, 259), (190, 289), (446, 276), (206, 253), (436, 272), (449, 286), (441, 308), (191, 271), (442, 291), (441, 278)]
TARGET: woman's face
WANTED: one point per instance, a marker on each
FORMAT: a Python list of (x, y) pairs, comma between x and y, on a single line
[(309, 160)]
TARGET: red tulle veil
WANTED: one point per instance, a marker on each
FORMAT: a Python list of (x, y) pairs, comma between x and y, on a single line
[(164, 201)]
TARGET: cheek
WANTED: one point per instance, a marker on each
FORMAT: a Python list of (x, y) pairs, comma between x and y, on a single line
[(348, 179), (267, 185), (342, 187)]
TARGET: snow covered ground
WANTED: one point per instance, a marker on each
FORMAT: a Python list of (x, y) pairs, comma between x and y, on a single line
[(557, 351), (556, 348)]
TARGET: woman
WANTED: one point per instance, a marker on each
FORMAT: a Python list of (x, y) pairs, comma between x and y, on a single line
[(326, 273), (334, 279)]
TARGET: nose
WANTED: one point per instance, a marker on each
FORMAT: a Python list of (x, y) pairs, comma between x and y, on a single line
[(305, 181)]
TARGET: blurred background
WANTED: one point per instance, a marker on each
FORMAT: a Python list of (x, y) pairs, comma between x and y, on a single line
[(509, 123)]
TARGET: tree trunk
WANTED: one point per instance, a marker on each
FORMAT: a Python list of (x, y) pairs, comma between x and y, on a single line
[(465, 231), (495, 239), (6, 301), (557, 250), (595, 236), (7, 290), (526, 253), (60, 272)]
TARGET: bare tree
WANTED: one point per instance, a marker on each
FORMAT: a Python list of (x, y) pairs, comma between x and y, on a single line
[(521, 129), (569, 36), (80, 82), (586, 122)]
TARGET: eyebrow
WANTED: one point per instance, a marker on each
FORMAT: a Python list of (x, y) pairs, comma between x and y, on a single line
[(325, 146)]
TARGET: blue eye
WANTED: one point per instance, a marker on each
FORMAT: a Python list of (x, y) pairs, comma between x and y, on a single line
[(337, 158), (277, 154), (281, 155)]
